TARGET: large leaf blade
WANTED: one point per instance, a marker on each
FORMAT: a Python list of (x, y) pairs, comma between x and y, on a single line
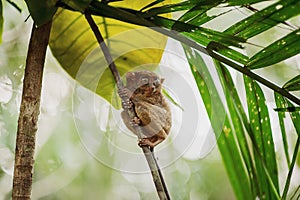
[(265, 19), (196, 16), (220, 124), (200, 34), (228, 52), (280, 103), (295, 116), (293, 84), (192, 6), (203, 36), (264, 152), (78, 5), (239, 121), (41, 11), (185, 5), (75, 47)]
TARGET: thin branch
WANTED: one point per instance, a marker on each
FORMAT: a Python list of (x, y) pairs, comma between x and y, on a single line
[(155, 170), (29, 112)]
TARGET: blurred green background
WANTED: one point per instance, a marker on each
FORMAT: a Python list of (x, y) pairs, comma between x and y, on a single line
[(77, 144)]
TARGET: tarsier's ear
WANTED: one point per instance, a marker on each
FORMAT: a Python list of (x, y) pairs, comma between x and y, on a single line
[(162, 80), (130, 75)]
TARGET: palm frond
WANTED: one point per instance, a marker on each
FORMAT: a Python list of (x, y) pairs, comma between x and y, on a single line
[(221, 125), (279, 50), (293, 84)]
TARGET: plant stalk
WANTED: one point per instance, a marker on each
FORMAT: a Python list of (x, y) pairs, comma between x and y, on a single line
[(155, 170), (29, 112)]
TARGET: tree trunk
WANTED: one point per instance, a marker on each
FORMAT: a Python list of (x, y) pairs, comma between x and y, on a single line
[(29, 111)]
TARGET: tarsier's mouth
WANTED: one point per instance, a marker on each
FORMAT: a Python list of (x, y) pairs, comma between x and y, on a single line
[(151, 90), (148, 91)]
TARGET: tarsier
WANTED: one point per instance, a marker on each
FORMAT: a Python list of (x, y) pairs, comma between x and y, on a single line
[(144, 90)]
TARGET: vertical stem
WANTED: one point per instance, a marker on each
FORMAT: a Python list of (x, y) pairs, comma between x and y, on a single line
[(157, 177), (155, 171), (289, 176), (29, 111), (161, 177), (108, 57)]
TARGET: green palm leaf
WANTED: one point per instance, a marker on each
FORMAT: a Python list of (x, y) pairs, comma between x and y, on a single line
[(279, 50), (293, 84), (265, 19), (265, 158), (240, 123), (281, 115), (295, 117), (224, 132)]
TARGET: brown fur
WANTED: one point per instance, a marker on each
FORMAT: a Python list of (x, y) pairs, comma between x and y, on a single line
[(150, 106)]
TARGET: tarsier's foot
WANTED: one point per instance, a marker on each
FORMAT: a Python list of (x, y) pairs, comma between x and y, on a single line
[(124, 94), (126, 104), (145, 142), (135, 121)]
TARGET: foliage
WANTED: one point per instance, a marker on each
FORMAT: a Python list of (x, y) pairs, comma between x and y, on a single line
[(41, 12), (130, 46), (245, 137), (190, 30)]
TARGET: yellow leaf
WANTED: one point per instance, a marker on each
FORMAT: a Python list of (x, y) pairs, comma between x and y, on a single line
[(75, 47)]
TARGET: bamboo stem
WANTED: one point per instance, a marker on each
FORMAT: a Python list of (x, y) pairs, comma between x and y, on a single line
[(155, 171), (29, 112)]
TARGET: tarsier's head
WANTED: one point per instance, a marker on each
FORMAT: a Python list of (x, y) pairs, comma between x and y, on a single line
[(145, 82)]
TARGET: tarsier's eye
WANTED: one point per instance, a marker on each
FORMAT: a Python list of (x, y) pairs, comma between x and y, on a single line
[(145, 80), (156, 82)]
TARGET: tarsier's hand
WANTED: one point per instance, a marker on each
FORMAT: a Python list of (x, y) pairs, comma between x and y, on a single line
[(153, 114), (125, 94)]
